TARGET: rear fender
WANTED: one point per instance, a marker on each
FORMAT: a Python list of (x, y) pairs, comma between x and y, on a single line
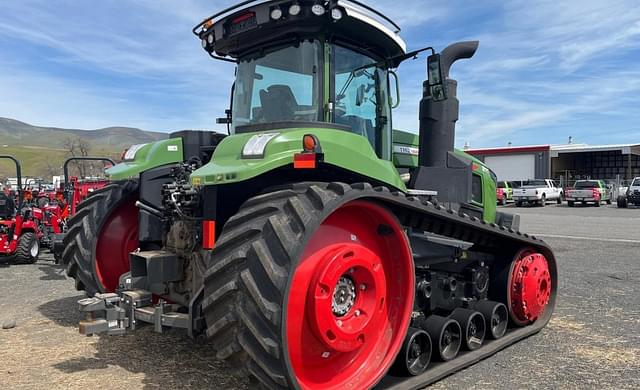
[(340, 149), (29, 226)]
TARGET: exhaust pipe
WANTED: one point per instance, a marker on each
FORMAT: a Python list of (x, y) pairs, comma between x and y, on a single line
[(439, 114), (415, 355), (439, 168), (473, 327)]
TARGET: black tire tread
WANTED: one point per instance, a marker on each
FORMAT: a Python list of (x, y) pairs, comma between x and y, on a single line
[(23, 251), (245, 284), (83, 228)]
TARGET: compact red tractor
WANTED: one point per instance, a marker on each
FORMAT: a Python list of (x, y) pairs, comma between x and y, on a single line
[(73, 192), (19, 225)]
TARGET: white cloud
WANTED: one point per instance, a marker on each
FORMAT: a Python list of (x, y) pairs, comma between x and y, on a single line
[(539, 63)]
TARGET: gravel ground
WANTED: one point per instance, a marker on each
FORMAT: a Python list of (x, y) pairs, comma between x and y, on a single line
[(592, 342)]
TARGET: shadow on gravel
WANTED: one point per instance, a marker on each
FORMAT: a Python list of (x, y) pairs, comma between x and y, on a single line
[(63, 312), (170, 360), (52, 272)]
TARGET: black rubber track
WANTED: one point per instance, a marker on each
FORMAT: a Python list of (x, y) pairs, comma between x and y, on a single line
[(251, 267), (23, 251), (83, 228)]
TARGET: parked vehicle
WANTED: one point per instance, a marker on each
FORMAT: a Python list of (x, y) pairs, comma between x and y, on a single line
[(74, 191), (293, 243), (588, 191), (631, 196), (538, 192), (19, 225), (504, 192)]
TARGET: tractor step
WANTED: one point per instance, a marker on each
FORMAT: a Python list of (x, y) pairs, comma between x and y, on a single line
[(114, 314)]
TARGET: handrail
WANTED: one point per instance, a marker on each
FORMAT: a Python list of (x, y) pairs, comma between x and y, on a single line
[(18, 179), (67, 184)]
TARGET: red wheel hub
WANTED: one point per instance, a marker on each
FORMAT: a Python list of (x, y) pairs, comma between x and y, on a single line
[(350, 300), (117, 238), (529, 287)]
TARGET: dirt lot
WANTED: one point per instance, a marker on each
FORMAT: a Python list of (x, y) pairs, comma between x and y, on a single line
[(593, 340)]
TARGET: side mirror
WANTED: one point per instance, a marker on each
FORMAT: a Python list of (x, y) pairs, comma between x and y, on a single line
[(437, 87), (227, 120)]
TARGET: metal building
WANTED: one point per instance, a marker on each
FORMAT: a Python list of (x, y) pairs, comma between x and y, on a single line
[(562, 162)]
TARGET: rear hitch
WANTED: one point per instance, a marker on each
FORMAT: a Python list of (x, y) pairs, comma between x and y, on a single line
[(114, 314), (102, 315)]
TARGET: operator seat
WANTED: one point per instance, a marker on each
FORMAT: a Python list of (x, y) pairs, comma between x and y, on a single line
[(278, 103), (7, 206)]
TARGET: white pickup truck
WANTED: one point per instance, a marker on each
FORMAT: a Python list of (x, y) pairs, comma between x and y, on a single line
[(631, 196), (537, 192)]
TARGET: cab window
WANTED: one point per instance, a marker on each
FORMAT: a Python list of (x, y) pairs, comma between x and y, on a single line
[(281, 85), (361, 98), (476, 189)]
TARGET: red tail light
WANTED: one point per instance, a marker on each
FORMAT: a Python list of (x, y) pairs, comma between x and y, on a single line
[(596, 193), (208, 234)]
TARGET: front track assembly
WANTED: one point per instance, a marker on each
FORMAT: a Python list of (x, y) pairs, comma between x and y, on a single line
[(251, 294)]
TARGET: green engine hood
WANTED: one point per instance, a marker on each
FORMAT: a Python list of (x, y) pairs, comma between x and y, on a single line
[(341, 149), (147, 157)]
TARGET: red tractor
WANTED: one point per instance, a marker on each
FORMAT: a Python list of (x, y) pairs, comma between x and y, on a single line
[(19, 225), (73, 192)]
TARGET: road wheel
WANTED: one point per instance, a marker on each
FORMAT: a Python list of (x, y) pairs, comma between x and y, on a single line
[(101, 235), (597, 203), (503, 202), (543, 201), (310, 288), (560, 199), (518, 204), (622, 202), (570, 203), (28, 249), (609, 201)]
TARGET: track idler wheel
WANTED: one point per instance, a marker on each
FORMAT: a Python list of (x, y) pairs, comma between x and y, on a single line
[(446, 336), (473, 327), (496, 318), (415, 355), (529, 287)]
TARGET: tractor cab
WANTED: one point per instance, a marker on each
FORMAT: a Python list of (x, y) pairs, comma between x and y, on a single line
[(304, 64), (328, 65)]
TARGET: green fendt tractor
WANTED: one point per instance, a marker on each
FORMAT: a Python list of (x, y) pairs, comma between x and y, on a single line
[(315, 247)]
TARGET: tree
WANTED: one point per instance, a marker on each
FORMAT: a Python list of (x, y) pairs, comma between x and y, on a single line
[(78, 147)]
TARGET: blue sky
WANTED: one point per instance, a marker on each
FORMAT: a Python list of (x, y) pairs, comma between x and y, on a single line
[(545, 70)]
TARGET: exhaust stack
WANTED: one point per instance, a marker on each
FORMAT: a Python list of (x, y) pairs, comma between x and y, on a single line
[(438, 116), (439, 168)]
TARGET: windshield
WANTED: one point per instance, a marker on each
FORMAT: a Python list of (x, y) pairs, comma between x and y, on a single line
[(587, 184), (537, 183), (362, 98), (502, 184), (636, 183), (283, 85)]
